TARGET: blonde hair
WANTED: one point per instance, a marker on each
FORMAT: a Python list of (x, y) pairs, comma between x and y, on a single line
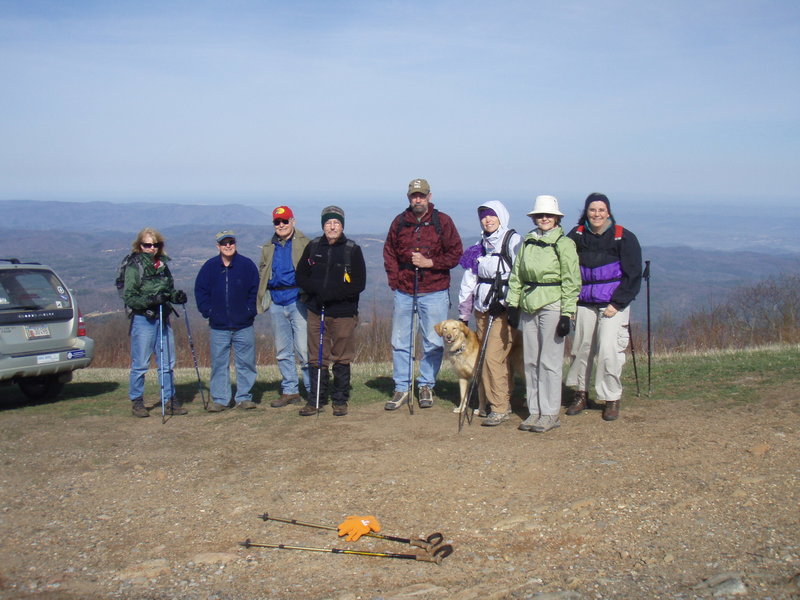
[(153, 233)]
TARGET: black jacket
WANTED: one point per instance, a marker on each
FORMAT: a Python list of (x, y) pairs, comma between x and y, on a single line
[(321, 275), (597, 250)]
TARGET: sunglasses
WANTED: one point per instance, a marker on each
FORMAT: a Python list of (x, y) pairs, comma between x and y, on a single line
[(227, 243), (147, 245), (277, 222), (544, 216)]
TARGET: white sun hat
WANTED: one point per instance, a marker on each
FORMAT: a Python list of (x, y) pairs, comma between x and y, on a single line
[(545, 205)]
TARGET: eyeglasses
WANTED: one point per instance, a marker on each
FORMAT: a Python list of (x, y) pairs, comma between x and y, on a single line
[(544, 216), (147, 245), (227, 243), (277, 222)]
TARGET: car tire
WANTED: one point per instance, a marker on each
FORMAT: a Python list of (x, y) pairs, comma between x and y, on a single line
[(41, 388)]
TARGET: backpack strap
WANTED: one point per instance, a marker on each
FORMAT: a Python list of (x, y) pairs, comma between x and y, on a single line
[(435, 221)]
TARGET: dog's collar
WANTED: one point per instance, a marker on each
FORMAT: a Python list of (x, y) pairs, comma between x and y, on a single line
[(460, 350)]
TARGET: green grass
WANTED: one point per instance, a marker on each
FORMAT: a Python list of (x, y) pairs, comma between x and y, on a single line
[(731, 376), (740, 376)]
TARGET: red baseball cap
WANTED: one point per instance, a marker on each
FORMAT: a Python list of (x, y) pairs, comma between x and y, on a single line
[(282, 212)]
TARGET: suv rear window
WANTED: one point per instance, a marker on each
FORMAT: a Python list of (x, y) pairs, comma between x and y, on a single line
[(32, 291)]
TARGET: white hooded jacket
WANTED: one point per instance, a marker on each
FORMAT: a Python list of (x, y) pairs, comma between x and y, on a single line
[(473, 292)]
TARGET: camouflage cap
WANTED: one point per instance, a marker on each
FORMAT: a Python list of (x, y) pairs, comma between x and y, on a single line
[(418, 186)]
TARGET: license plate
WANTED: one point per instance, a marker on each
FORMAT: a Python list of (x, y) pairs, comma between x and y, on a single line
[(36, 332)]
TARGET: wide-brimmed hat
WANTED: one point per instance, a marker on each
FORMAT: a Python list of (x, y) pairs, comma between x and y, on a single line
[(547, 205)]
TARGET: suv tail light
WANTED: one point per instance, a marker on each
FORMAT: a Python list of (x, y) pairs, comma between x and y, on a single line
[(81, 325)]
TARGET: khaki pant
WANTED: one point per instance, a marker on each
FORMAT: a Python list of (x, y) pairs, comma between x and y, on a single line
[(601, 340), (339, 343), (544, 361), (497, 376)]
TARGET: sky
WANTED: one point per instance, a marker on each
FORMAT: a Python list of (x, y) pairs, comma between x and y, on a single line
[(263, 102)]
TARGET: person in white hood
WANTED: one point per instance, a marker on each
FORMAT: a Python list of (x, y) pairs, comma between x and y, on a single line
[(484, 285)]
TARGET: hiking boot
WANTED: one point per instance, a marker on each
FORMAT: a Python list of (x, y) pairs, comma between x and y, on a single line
[(175, 408), (578, 403), (398, 400), (247, 405), (138, 409), (528, 423), (310, 409), (546, 423), (285, 400), (494, 419), (339, 410), (425, 396), (216, 407), (611, 410)]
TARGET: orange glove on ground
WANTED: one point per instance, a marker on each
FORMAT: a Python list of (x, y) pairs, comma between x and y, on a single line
[(354, 527)]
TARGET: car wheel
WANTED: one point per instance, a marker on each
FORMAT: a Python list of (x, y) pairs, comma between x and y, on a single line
[(41, 388)]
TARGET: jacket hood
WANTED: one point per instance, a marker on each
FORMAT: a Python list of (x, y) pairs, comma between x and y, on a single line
[(499, 208)]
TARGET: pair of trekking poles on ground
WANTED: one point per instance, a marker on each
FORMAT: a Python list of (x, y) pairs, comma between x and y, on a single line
[(165, 361), (433, 547)]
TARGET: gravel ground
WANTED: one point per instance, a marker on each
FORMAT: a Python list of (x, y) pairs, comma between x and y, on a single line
[(671, 501)]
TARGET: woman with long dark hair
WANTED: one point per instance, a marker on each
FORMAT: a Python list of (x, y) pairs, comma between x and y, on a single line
[(611, 273)]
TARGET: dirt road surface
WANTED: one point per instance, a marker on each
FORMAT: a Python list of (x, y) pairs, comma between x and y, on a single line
[(680, 501)]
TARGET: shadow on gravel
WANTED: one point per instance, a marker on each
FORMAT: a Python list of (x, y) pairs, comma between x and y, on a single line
[(11, 398)]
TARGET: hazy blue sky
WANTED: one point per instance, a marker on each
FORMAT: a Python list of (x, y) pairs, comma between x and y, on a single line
[(245, 101)]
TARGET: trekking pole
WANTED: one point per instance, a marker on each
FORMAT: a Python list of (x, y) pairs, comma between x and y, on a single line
[(430, 543), (434, 558), (633, 354), (319, 356), (464, 409), (646, 276), (161, 362), (411, 357), (194, 359)]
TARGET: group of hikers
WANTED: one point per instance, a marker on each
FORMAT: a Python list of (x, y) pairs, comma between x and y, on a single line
[(539, 287)]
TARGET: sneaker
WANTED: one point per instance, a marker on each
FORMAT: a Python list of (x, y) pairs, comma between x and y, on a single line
[(216, 407), (285, 400), (527, 424), (425, 396), (247, 405), (494, 419), (546, 423), (310, 409), (138, 409), (174, 408), (398, 400), (340, 410)]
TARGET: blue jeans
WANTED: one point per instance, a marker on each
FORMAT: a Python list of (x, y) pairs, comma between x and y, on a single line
[(144, 343), (290, 329), (431, 309), (243, 342)]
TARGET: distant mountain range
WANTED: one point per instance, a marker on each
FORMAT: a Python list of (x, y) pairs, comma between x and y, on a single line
[(86, 241), (27, 215)]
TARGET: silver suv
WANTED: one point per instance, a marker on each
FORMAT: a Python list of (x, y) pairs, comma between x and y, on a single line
[(42, 333)]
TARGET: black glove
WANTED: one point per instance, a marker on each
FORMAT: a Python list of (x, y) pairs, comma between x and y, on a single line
[(562, 329), (179, 297), (159, 298), (513, 316), (496, 308)]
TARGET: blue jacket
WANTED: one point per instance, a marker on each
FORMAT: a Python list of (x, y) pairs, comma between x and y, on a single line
[(226, 296)]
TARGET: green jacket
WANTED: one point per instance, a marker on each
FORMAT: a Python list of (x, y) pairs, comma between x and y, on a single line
[(555, 262), (140, 289), (299, 243)]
